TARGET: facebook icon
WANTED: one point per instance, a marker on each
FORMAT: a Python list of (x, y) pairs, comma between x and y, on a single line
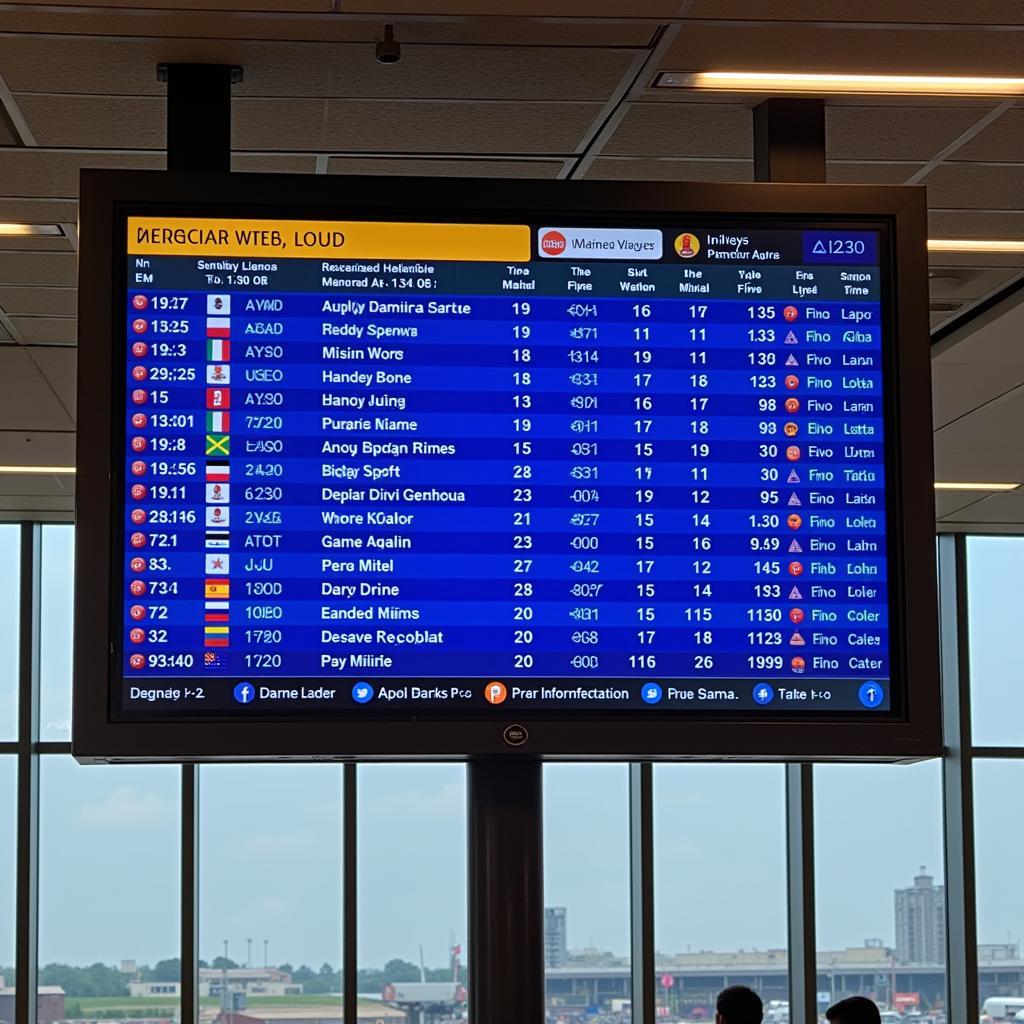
[(244, 693)]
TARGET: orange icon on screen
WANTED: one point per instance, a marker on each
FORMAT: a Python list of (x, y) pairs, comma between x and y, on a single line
[(686, 245), (139, 302), (791, 430), (790, 313), (792, 405), (139, 349), (793, 453), (495, 692), (792, 381), (140, 326), (137, 661), (137, 588), (138, 491), (139, 420), (138, 564), (793, 521)]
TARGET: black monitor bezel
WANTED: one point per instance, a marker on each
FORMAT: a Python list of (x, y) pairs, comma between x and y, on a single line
[(106, 198)]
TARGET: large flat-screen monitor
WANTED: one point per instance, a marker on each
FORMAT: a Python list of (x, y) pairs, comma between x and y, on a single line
[(417, 468)]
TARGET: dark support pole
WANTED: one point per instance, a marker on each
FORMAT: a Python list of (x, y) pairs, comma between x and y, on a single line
[(198, 139), (349, 896), (789, 146), (789, 140), (641, 870), (803, 970), (957, 782), (506, 892), (189, 894), (199, 115), (27, 900)]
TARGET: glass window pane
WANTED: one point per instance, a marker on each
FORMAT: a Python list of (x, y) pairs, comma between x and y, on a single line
[(8, 860), (586, 887), (995, 568), (56, 631), (412, 880), (880, 895), (109, 891), (270, 887), (1000, 896), (10, 583), (719, 883)]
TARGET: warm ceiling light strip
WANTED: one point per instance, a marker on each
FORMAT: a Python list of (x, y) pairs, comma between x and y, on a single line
[(894, 85), (944, 486), (30, 229), (61, 470), (975, 245)]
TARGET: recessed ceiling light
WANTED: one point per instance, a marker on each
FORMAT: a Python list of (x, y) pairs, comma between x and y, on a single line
[(894, 85), (60, 470), (944, 486), (975, 245), (30, 229)]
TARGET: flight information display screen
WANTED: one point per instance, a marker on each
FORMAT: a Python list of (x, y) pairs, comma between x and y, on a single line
[(374, 468)]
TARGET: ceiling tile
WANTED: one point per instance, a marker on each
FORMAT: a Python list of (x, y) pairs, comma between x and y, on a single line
[(60, 368), (1000, 508), (671, 170), (985, 463), (39, 301), (38, 447), (948, 502), (1002, 140), (965, 186), (996, 424), (96, 122), (975, 224), (684, 130), (26, 398), (446, 168), (887, 132), (927, 12), (31, 174), (849, 172), (47, 330), (273, 163), (968, 282), (957, 388), (48, 268), (995, 341)]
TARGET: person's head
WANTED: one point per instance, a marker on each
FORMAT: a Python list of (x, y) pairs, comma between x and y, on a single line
[(738, 1004), (853, 1010)]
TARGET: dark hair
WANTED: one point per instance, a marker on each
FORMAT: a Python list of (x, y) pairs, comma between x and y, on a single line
[(739, 1005), (854, 1010)]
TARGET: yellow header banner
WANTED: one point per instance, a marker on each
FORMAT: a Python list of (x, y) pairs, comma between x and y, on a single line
[(327, 239)]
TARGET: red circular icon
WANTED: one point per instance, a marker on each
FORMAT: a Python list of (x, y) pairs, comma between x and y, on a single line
[(791, 429), (140, 326), (137, 588), (138, 564), (137, 635), (793, 521), (137, 661), (138, 516), (139, 420), (139, 491), (137, 611), (139, 444), (792, 382), (552, 243), (795, 569), (139, 373), (798, 664), (792, 405), (796, 615), (139, 302), (140, 397), (793, 453), (139, 349), (138, 540), (138, 468), (790, 313)]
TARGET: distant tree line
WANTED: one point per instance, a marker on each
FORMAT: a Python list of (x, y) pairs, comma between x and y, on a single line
[(102, 980)]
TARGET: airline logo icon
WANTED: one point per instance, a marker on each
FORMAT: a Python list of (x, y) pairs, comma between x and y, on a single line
[(218, 373), (217, 565), (217, 516), (625, 244), (218, 327), (495, 692), (686, 245), (218, 305), (218, 494)]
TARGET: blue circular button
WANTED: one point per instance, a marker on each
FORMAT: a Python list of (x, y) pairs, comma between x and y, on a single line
[(244, 693), (764, 693), (362, 693), (650, 693), (871, 694)]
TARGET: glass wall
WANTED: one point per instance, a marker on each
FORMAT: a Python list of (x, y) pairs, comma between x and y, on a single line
[(270, 862)]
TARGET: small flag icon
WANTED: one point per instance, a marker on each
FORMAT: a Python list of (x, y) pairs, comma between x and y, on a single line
[(795, 595), (218, 398), (218, 305), (217, 516), (218, 350), (211, 659), (794, 547), (218, 565), (218, 327), (215, 636), (794, 500), (218, 470), (218, 494), (218, 422), (217, 538), (217, 590), (793, 478), (218, 444), (218, 373), (796, 640), (217, 611), (791, 360), (791, 339)]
